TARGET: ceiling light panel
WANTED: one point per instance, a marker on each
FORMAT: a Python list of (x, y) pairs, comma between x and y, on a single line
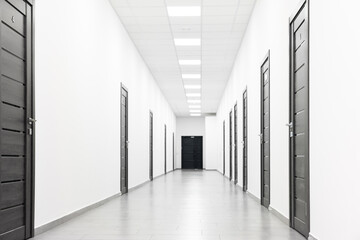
[(193, 94), (184, 11), (194, 106), (195, 115), (192, 86), (187, 41), (194, 101), (189, 62), (191, 76)]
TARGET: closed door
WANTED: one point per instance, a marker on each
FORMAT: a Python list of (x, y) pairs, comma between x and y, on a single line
[(151, 147), (235, 146), (124, 140), (265, 132), (230, 145), (245, 143), (192, 152), (165, 149), (224, 148), (173, 150), (16, 121), (299, 122)]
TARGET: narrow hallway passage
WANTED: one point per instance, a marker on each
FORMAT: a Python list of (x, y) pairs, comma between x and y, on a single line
[(184, 205)]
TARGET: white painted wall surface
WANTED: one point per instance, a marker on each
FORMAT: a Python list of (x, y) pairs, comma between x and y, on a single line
[(268, 29), (81, 56), (189, 126), (334, 119), (212, 146)]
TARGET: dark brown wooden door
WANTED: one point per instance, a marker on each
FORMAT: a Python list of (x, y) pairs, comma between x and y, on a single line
[(299, 122), (124, 140), (235, 146), (151, 147), (265, 132), (230, 145), (245, 143), (16, 120), (165, 152), (224, 148)]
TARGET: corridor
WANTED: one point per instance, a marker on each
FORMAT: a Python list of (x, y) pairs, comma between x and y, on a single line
[(183, 205)]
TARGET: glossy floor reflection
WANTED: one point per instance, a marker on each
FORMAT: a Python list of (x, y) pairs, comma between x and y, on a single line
[(186, 205)]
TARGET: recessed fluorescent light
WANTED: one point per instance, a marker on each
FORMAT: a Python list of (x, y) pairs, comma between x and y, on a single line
[(193, 94), (195, 114), (184, 11), (195, 110), (192, 86), (190, 62), (194, 106), (189, 76), (187, 41), (194, 101)]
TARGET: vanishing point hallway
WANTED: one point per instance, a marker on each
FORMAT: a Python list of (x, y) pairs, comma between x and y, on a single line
[(182, 205)]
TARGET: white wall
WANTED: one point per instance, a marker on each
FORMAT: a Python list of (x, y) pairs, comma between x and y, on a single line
[(186, 126), (82, 55), (212, 146), (334, 119), (268, 29)]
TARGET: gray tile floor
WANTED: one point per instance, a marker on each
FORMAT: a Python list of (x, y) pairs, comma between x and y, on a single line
[(183, 205)]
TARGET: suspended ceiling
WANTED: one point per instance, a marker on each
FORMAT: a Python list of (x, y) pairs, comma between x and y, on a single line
[(211, 31)]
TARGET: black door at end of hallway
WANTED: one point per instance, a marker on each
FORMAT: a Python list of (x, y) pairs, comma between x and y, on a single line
[(265, 131), (299, 122), (192, 152), (16, 121), (124, 140)]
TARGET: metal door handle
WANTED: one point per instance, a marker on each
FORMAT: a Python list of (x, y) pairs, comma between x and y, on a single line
[(289, 124), (31, 120)]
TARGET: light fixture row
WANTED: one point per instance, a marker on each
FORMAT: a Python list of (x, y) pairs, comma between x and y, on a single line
[(194, 99)]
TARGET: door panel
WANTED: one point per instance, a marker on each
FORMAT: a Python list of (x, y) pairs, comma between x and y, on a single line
[(230, 145), (224, 148), (245, 143), (299, 122), (165, 150), (124, 140), (151, 147), (235, 146), (265, 131), (16, 121), (191, 153)]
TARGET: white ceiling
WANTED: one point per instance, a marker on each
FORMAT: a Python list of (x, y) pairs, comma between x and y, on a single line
[(220, 27)]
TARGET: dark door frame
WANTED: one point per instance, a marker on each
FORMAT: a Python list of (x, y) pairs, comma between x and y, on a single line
[(30, 56), (165, 149), (235, 144), (304, 4), (230, 145), (245, 142), (151, 146), (29, 120), (224, 147), (266, 59), (173, 147), (123, 88)]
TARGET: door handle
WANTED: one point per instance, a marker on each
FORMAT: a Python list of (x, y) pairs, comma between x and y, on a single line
[(32, 120), (289, 124)]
